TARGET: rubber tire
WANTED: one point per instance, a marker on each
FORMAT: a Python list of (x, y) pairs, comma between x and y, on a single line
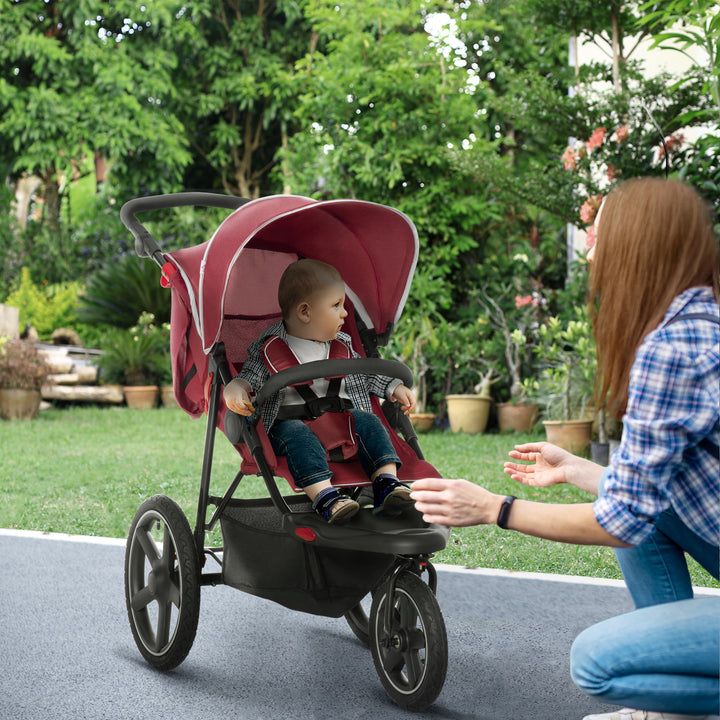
[(414, 674), (167, 575), (359, 622)]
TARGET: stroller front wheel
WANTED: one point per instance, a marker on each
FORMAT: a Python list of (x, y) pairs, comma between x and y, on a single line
[(162, 582), (411, 653)]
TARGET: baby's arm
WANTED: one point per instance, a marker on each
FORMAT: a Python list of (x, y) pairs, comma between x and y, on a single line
[(237, 397)]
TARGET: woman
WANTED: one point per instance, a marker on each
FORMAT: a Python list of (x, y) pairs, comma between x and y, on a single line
[(654, 292)]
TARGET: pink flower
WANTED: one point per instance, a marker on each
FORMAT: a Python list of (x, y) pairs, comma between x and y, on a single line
[(522, 300), (613, 173), (673, 142), (589, 208), (569, 158), (596, 139), (590, 237), (621, 134)]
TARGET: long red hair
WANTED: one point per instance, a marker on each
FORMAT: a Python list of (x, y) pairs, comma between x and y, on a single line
[(655, 239)]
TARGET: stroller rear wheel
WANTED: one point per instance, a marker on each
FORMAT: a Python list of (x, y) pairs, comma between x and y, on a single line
[(410, 654), (359, 622), (162, 582)]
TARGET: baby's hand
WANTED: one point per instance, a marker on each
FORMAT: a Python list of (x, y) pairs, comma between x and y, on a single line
[(406, 397), (237, 397)]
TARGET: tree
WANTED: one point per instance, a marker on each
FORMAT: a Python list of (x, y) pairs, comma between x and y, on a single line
[(76, 86), (237, 89)]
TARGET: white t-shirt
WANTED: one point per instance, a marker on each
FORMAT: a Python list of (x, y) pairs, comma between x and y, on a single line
[(309, 351)]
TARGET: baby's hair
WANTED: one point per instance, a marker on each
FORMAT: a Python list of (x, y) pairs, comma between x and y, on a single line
[(301, 280)]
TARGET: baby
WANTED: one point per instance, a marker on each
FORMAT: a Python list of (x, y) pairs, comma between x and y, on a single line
[(312, 297)]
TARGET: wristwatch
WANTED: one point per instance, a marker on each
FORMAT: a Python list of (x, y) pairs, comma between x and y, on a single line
[(504, 514)]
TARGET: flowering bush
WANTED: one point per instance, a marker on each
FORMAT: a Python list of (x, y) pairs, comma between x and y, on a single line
[(633, 148)]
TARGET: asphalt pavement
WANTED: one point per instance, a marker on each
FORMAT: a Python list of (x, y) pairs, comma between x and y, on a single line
[(68, 653)]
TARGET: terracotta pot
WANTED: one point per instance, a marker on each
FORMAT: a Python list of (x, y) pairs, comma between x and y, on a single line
[(572, 435), (141, 397), (468, 413), (167, 396), (423, 422), (517, 417), (19, 404)]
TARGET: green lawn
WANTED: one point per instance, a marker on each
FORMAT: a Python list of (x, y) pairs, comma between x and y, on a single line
[(85, 470)]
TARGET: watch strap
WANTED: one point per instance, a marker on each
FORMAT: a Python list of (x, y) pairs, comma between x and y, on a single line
[(504, 514)]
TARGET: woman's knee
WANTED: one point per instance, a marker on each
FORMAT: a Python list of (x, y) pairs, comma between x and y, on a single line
[(587, 668)]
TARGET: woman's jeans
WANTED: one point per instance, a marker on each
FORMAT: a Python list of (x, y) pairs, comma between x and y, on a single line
[(664, 655), (307, 458), (656, 571), (662, 658)]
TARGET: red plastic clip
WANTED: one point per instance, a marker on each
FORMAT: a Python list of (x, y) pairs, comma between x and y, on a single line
[(168, 271)]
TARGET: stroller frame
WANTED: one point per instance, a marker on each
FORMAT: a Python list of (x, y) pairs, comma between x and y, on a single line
[(404, 628)]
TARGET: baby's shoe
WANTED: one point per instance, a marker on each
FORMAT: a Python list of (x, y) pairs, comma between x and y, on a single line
[(391, 496), (334, 507)]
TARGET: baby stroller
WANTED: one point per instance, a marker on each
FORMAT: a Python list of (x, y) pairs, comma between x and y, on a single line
[(224, 292)]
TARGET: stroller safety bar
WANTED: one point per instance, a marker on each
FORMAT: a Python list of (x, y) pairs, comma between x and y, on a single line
[(333, 368), (145, 244)]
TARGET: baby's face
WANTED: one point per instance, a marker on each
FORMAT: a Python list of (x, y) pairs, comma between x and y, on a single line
[(327, 313)]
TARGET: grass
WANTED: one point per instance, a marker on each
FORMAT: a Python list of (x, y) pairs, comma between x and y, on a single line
[(85, 470)]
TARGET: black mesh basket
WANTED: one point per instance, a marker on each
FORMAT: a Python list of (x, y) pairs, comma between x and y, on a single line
[(263, 559)]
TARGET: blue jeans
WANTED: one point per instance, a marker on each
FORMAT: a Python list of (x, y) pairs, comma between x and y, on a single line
[(656, 571), (307, 458), (663, 658)]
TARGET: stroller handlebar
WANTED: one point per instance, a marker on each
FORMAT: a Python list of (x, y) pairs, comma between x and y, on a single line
[(145, 243), (333, 368)]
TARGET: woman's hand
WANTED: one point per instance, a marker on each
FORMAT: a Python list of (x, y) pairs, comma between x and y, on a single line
[(552, 465), (549, 464), (455, 502)]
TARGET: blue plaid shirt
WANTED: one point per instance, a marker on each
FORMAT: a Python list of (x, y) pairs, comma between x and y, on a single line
[(673, 400)]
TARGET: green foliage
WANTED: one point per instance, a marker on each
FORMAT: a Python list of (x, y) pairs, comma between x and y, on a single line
[(22, 367), (566, 353), (47, 308), (135, 356), (122, 290)]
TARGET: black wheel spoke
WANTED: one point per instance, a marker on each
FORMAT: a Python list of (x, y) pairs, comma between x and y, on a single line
[(147, 543), (163, 626), (414, 668), (416, 639), (141, 599)]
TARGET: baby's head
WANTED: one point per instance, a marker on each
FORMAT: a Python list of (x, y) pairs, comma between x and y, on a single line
[(301, 280)]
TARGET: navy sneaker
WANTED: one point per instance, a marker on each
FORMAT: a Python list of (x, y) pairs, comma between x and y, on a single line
[(391, 496)]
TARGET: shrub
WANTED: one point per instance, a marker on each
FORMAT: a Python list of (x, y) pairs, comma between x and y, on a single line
[(22, 367), (44, 308), (121, 291)]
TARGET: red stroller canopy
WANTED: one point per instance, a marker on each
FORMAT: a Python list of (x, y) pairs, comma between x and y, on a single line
[(227, 286), (374, 248)]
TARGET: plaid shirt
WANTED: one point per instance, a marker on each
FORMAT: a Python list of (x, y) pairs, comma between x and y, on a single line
[(357, 387), (673, 403)]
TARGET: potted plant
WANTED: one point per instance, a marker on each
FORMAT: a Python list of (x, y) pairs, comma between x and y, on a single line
[(415, 342), (566, 352), (23, 371), (469, 412), (134, 359), (519, 414)]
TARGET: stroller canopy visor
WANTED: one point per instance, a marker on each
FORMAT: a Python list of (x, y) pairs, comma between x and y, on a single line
[(236, 272)]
